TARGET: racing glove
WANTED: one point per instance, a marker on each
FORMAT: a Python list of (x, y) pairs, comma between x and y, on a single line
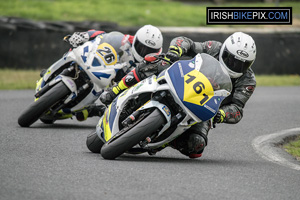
[(108, 96), (174, 53), (219, 117), (77, 38)]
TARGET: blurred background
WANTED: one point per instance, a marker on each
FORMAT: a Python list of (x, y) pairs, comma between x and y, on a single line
[(32, 31)]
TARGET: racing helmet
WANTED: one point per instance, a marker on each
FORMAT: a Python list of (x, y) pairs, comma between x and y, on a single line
[(237, 54), (147, 39)]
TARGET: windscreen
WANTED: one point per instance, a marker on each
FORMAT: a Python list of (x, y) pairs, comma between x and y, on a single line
[(215, 73)]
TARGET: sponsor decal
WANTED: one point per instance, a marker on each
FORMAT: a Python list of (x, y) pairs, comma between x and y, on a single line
[(210, 109), (209, 44), (179, 42), (71, 83), (192, 65), (180, 69), (167, 111), (137, 87)]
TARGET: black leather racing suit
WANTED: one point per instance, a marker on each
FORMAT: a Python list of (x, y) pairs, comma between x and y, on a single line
[(243, 88)]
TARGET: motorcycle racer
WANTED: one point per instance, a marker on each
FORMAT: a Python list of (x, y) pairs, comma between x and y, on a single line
[(148, 39), (237, 54)]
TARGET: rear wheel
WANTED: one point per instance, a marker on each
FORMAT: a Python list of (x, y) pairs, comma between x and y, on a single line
[(37, 108), (47, 121), (125, 141), (93, 142)]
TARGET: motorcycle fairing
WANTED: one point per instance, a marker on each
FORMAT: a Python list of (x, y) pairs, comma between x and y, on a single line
[(105, 125), (193, 89), (99, 61), (108, 124)]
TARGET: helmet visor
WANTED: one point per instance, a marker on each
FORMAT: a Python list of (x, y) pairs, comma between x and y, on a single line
[(142, 49), (235, 64)]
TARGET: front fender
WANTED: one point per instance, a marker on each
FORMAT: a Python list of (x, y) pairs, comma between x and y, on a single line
[(67, 81), (163, 109)]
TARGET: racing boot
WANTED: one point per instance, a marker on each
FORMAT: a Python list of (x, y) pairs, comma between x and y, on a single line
[(191, 145), (192, 142), (91, 111), (109, 95), (96, 110), (43, 72), (127, 81)]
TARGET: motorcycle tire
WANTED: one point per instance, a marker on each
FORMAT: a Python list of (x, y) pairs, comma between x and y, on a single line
[(93, 142), (139, 132), (37, 108), (47, 121)]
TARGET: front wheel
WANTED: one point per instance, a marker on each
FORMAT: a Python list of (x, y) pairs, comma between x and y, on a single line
[(118, 145), (37, 108)]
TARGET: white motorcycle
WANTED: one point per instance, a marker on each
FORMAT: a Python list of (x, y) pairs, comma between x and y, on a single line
[(149, 115), (75, 81)]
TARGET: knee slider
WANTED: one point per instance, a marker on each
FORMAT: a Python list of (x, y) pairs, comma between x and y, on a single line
[(196, 143)]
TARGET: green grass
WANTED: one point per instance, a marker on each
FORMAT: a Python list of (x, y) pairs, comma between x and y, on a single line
[(26, 79), (293, 148), (18, 79), (276, 80), (124, 12)]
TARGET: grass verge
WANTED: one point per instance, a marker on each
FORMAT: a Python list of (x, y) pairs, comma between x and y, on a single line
[(25, 79), (293, 148), (18, 79), (125, 13), (278, 80)]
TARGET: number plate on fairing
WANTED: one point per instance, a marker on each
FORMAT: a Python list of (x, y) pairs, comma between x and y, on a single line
[(193, 89)]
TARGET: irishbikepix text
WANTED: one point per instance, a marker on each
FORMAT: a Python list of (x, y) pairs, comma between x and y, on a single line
[(237, 15)]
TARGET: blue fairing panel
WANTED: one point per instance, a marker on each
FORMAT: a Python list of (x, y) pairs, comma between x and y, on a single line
[(179, 73)]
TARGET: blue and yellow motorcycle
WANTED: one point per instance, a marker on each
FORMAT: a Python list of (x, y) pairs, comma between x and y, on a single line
[(149, 115)]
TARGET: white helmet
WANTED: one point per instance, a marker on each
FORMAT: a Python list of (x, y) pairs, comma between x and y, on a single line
[(147, 39), (237, 54)]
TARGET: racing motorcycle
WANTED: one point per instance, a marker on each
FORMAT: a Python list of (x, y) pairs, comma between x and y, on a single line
[(155, 111), (73, 82)]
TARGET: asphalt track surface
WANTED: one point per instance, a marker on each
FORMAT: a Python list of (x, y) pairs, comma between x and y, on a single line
[(52, 161)]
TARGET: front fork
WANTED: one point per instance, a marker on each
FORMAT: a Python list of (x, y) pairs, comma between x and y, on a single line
[(69, 81), (54, 81)]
